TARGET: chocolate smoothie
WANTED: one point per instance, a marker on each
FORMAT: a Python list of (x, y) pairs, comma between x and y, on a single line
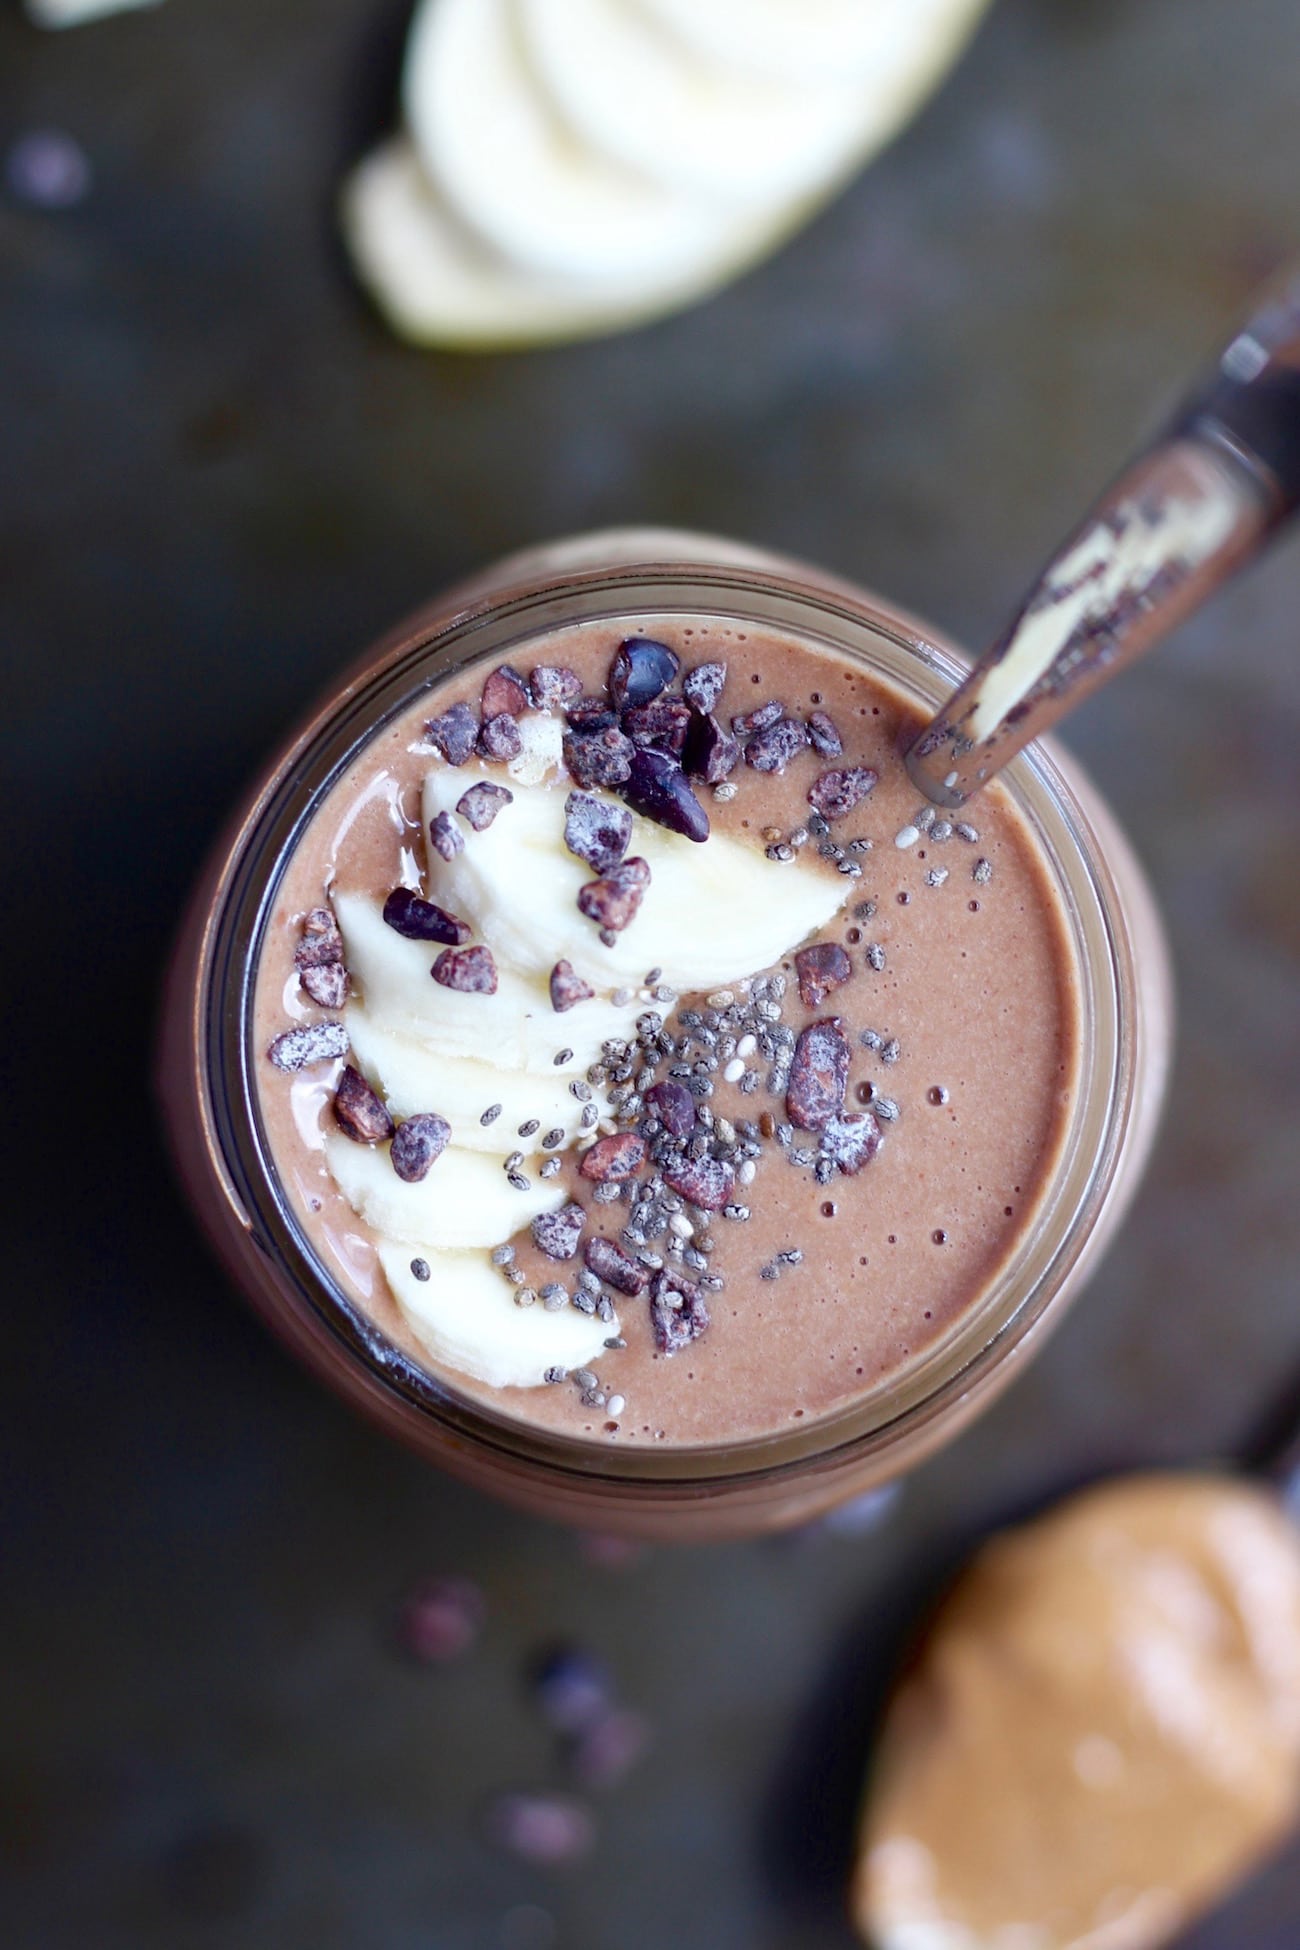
[(671, 1077)]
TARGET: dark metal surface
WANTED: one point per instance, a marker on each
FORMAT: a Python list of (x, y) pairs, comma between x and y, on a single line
[(219, 477)]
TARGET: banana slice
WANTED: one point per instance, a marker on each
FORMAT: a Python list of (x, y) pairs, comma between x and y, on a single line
[(466, 1316), (437, 284), (511, 170), (873, 41), (642, 97), (413, 1076), (515, 1029), (71, 13), (463, 1201), (518, 883)]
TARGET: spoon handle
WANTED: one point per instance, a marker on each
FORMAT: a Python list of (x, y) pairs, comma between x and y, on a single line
[(1183, 517)]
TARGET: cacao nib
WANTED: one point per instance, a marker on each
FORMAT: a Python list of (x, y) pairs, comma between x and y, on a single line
[(706, 1182), (446, 836), (499, 738), (472, 970), (657, 787), (746, 723), (504, 694), (703, 686), (601, 756), (674, 1106), (557, 1233), (568, 988), (420, 920), (360, 1114), (612, 901), (823, 967), (615, 1267), (454, 733), (640, 670), (314, 1042), (851, 1140), (327, 984), (596, 831), (819, 1075), (591, 714), (662, 724), (772, 748), (833, 794), (612, 1159), (823, 736), (321, 941), (679, 1313), (553, 686), (417, 1141), (710, 752), (481, 804)]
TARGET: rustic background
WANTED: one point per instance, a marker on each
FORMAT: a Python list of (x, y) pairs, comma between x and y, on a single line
[(219, 477)]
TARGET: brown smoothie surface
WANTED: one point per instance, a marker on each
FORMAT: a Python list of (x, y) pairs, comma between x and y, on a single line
[(960, 1013)]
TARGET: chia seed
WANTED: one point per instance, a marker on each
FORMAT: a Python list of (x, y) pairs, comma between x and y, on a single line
[(549, 1168), (556, 1374), (891, 1051), (491, 1114), (561, 1057), (965, 831), (529, 1129), (552, 1138), (936, 876), (420, 1269), (525, 1296), (738, 1212), (502, 1255), (886, 1110), (941, 832), (517, 1181), (724, 791), (982, 872), (875, 955)]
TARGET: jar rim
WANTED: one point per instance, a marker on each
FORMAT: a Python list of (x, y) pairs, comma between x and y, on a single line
[(1046, 790)]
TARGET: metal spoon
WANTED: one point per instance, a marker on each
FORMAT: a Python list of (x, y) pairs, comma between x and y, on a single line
[(1194, 508)]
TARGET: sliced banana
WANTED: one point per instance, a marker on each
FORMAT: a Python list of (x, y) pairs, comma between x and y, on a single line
[(465, 1315), (414, 1076), (71, 13), (817, 40), (645, 98), (437, 284), (510, 169), (464, 1199), (515, 1029), (709, 912)]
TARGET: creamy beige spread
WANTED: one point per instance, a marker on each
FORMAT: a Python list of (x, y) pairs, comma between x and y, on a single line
[(1100, 1733)]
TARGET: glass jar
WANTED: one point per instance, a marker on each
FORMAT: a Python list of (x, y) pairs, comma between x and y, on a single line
[(210, 1100)]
